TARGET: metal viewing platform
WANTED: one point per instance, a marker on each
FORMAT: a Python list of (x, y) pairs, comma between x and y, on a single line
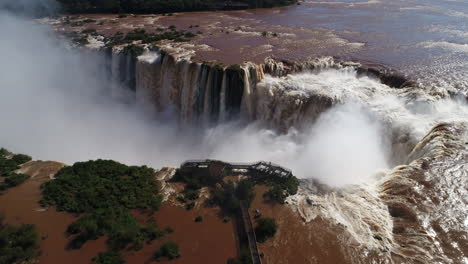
[(263, 167)]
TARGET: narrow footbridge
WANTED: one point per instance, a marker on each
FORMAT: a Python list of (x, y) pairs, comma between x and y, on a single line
[(250, 232)]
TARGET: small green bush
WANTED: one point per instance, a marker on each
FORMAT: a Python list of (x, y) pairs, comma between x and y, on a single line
[(266, 228), (189, 206), (8, 164), (88, 20), (21, 158), (169, 250), (109, 258), (133, 50), (4, 152), (18, 244), (15, 179), (91, 31), (192, 194), (276, 194)]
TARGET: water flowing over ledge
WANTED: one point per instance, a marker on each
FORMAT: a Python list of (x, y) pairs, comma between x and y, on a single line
[(211, 93)]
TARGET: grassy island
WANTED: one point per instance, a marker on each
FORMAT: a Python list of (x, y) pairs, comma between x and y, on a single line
[(104, 193)]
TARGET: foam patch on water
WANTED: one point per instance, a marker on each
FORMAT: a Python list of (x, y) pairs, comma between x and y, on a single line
[(455, 47)]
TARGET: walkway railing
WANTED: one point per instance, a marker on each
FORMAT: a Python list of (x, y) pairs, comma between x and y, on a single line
[(261, 166)]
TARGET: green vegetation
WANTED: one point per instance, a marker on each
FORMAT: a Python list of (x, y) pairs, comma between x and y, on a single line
[(281, 187), (83, 40), (192, 194), (118, 224), (80, 188), (266, 228), (196, 179), (230, 196), (133, 50), (169, 250), (17, 244), (105, 191), (87, 21), (163, 6), (109, 258), (15, 179), (169, 230), (235, 68), (145, 37), (90, 31), (9, 163)]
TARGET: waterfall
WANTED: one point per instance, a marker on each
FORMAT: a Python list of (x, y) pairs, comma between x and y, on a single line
[(208, 93)]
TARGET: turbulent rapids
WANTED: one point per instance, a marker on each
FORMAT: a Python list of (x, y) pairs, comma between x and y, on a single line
[(414, 212)]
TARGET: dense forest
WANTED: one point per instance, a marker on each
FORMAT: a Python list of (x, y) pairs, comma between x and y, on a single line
[(163, 6)]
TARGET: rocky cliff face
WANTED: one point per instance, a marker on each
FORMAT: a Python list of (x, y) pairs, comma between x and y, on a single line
[(208, 93)]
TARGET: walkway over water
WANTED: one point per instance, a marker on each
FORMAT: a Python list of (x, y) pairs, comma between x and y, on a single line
[(263, 167)]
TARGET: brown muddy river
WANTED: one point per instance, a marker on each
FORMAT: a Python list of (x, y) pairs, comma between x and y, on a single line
[(425, 40)]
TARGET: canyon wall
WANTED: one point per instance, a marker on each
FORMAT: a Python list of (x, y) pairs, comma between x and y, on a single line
[(208, 93)]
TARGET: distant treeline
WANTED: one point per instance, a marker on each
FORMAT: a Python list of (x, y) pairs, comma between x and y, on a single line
[(163, 6)]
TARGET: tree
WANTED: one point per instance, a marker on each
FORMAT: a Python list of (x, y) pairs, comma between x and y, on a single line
[(18, 244), (276, 194), (109, 258), (169, 250), (266, 228)]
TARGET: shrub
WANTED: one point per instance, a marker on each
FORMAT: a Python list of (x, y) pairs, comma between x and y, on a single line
[(244, 191), (18, 244), (199, 219), (169, 230), (81, 40), (91, 31), (118, 224), (87, 21), (109, 258), (189, 35), (192, 194), (133, 50), (21, 158), (281, 187), (189, 206), (8, 164), (266, 228), (15, 179), (276, 194), (169, 250), (226, 198), (4, 152)]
